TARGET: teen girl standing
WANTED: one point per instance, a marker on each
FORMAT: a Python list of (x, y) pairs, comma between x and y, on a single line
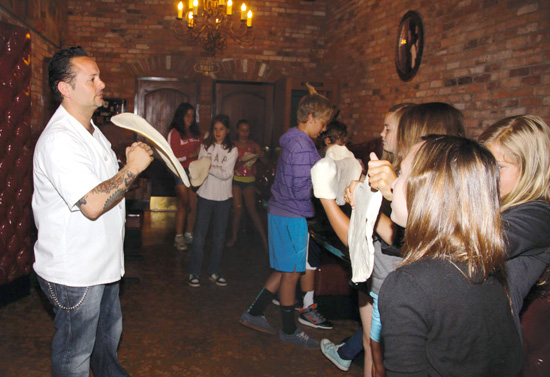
[(185, 140), (521, 146), (343, 354), (214, 201), (244, 181)]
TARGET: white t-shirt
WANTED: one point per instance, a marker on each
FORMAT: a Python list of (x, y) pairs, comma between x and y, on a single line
[(217, 185), (71, 249)]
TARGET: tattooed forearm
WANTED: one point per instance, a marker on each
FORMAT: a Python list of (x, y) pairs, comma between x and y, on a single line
[(122, 180), (82, 202), (113, 199), (107, 194)]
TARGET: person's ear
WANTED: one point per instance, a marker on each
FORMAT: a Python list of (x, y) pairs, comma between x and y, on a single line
[(310, 118), (64, 88)]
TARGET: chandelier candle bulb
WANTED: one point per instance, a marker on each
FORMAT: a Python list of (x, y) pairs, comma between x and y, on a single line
[(180, 10), (190, 4), (190, 19), (243, 12), (196, 7), (249, 19), (229, 7)]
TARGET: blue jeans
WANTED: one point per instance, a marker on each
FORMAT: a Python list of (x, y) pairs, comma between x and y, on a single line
[(219, 211), (88, 329), (353, 346)]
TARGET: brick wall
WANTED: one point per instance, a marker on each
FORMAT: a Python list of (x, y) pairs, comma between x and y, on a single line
[(126, 34), (489, 58)]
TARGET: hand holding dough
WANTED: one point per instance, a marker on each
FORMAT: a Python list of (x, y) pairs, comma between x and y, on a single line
[(198, 170), (137, 124), (381, 176), (249, 159)]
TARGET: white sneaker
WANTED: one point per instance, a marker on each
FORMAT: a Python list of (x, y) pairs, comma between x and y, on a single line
[(188, 238)]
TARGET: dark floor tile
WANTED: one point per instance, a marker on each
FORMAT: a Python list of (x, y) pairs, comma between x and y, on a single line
[(171, 329)]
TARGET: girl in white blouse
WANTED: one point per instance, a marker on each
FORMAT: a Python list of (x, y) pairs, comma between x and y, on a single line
[(215, 197)]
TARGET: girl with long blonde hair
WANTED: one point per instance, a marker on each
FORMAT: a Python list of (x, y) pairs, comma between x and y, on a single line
[(521, 146)]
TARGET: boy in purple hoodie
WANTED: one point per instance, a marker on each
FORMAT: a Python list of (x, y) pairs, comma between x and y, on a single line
[(288, 208)]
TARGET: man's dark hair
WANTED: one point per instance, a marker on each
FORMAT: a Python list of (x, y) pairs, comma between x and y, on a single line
[(61, 69)]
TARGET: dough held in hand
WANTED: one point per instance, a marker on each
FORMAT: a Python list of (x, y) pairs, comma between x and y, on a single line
[(323, 177), (332, 174), (198, 170)]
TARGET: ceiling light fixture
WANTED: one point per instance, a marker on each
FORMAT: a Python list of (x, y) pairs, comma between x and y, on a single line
[(210, 23)]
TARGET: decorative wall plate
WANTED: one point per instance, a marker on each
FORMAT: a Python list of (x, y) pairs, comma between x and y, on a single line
[(409, 46)]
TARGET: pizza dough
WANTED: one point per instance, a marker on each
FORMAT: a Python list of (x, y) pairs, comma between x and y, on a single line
[(137, 124), (198, 170), (249, 159), (361, 227), (331, 175)]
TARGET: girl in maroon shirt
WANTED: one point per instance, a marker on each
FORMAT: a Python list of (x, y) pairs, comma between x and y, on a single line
[(185, 139)]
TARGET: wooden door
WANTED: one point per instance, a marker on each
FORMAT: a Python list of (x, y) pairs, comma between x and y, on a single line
[(250, 101), (157, 100)]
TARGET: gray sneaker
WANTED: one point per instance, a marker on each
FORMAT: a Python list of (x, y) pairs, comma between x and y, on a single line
[(299, 337), (258, 323), (179, 242), (311, 317)]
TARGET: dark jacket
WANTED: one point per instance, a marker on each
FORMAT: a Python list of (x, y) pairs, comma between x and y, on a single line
[(527, 230)]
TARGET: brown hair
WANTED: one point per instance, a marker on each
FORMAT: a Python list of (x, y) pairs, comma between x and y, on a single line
[(526, 140), (425, 119), (336, 132), (315, 104), (454, 209), (210, 140)]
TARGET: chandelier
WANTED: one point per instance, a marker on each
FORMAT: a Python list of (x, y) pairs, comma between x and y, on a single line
[(211, 23)]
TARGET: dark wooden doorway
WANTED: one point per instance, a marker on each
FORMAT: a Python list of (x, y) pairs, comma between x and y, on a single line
[(158, 98), (247, 100)]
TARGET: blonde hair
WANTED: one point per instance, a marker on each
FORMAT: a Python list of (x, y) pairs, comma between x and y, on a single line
[(315, 104), (525, 139), (396, 112), (454, 209), (425, 119)]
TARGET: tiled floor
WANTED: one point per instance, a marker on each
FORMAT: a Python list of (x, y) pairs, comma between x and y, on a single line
[(171, 329)]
